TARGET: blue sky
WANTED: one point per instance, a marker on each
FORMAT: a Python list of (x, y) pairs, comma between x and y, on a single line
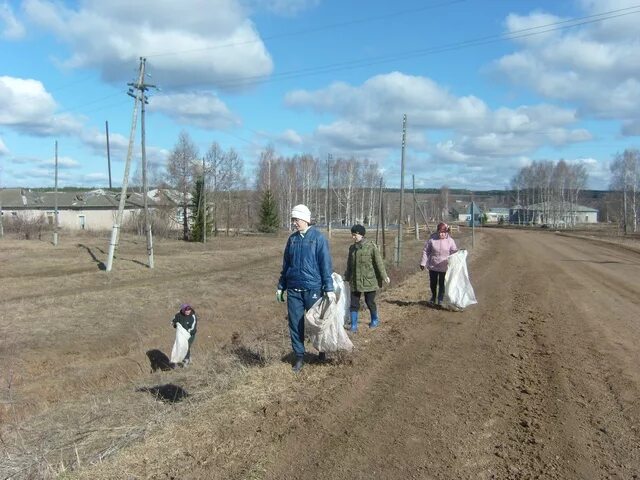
[(487, 85)]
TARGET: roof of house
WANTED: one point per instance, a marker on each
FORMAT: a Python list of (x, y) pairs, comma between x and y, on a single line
[(566, 206), (26, 199)]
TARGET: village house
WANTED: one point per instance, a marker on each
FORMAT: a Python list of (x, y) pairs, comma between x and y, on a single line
[(91, 210)]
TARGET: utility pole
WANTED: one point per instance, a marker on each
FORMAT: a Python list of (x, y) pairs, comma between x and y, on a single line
[(400, 220), (125, 181), (106, 126), (55, 200), (379, 212), (415, 204), (328, 201), (204, 201), (473, 223), (384, 238), (142, 87)]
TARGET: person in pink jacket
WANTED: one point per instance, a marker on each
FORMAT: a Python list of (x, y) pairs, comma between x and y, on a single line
[(434, 256)]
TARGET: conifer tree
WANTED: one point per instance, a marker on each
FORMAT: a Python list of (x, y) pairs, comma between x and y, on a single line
[(199, 211), (268, 213)]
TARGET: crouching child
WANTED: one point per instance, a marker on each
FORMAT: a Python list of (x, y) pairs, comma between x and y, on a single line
[(184, 322)]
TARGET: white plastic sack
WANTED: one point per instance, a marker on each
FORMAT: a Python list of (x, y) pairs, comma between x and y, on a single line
[(181, 345), (457, 286), (323, 323)]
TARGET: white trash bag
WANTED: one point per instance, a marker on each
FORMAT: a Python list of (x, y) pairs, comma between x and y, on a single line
[(181, 345), (457, 285), (324, 322)]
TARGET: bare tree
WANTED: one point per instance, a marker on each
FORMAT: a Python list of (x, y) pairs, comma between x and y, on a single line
[(625, 178), (215, 159), (181, 168), (233, 180)]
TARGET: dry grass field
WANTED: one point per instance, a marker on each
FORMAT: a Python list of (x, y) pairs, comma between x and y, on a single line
[(539, 380), (74, 339)]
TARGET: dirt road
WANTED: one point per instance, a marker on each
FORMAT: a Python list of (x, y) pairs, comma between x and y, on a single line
[(539, 380)]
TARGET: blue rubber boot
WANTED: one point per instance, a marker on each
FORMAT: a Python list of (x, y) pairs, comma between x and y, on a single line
[(374, 320), (354, 322)]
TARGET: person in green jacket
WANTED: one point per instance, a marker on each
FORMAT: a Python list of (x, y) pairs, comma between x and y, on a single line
[(365, 274)]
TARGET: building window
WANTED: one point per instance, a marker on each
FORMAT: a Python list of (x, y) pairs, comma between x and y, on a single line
[(83, 221)]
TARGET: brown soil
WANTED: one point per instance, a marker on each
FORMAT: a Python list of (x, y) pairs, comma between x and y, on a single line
[(539, 380)]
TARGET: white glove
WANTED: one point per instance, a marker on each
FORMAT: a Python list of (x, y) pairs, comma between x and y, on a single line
[(280, 296), (387, 280), (330, 296)]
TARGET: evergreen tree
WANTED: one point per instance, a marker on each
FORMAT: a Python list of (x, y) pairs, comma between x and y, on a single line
[(198, 216), (268, 214)]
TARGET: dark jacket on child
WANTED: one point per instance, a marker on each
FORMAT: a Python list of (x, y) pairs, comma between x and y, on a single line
[(188, 322)]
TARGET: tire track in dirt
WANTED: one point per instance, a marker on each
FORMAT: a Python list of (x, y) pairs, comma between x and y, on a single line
[(596, 357), (572, 447)]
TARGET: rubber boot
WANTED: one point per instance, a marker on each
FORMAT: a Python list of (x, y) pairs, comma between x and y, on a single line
[(298, 365), (354, 322), (374, 320)]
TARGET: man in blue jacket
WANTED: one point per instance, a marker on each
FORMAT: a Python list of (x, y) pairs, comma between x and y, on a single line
[(306, 276)]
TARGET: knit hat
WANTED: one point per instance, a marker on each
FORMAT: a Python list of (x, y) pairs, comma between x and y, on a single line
[(185, 306), (443, 227), (301, 212), (359, 229)]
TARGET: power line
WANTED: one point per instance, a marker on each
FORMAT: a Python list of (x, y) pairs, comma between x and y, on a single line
[(321, 28), (526, 32), (352, 64)]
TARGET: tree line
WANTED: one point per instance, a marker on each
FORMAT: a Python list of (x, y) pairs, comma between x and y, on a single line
[(216, 195), (549, 190), (213, 189), (625, 183)]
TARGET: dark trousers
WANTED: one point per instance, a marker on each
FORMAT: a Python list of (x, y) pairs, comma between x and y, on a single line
[(191, 339), (369, 299), (436, 283), (298, 302)]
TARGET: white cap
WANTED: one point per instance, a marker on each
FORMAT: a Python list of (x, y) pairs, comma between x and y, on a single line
[(301, 212)]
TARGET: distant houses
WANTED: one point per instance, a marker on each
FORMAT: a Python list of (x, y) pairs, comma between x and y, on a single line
[(557, 214), (90, 210), (553, 214)]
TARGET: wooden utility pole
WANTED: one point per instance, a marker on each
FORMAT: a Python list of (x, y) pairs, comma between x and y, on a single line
[(415, 205), (55, 200), (384, 238), (473, 223), (379, 211), (106, 126), (145, 187), (203, 194), (329, 195), (125, 181), (401, 219), (1, 227)]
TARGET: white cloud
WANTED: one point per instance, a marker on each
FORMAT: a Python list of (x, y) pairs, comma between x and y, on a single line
[(285, 7), (291, 137), (631, 128), (203, 110), (3, 148), (369, 117), (27, 107), (214, 43), (64, 163), (594, 67), (10, 27), (383, 99)]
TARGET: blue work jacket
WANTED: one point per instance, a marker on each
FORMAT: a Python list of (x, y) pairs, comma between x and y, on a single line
[(306, 263)]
